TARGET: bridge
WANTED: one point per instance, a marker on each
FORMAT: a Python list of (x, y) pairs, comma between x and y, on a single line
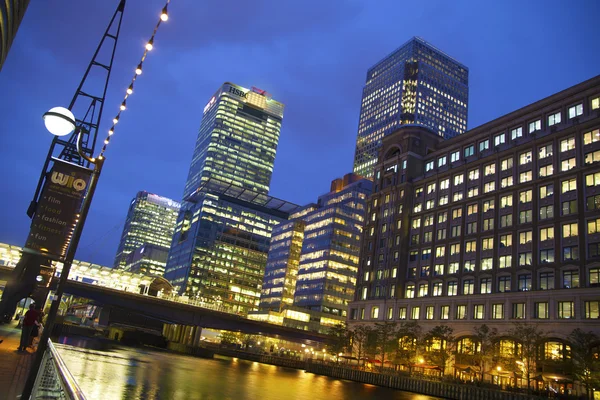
[(177, 310)]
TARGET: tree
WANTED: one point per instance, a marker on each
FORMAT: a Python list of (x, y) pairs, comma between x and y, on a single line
[(387, 339), (441, 344), (228, 337), (339, 339), (485, 336), (585, 363), (409, 343), (530, 337), (360, 335)]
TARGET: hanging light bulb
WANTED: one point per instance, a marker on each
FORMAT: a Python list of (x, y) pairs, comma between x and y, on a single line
[(106, 141), (123, 105), (164, 16), (115, 120), (150, 44), (138, 70), (130, 88), (111, 131)]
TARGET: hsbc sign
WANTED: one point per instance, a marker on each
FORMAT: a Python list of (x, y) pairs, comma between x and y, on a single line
[(237, 92)]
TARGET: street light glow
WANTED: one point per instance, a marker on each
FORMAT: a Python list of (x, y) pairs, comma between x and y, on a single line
[(59, 121)]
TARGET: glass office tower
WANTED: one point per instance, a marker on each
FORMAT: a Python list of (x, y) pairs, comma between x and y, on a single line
[(219, 248), (313, 259), (150, 220), (416, 84)]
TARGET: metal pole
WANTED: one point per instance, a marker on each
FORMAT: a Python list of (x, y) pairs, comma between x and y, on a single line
[(43, 344)]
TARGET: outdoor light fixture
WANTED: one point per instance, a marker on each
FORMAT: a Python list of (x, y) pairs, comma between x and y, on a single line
[(111, 131), (138, 70), (150, 44), (115, 119), (130, 89), (59, 121), (123, 105), (164, 16)]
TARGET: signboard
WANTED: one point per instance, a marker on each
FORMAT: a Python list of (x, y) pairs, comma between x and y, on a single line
[(58, 208)]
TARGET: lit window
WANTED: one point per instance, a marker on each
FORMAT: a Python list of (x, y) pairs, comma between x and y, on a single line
[(570, 230), (484, 145), (459, 179), (567, 144), (571, 184), (456, 213), (490, 169), (505, 240), (461, 312), (374, 312), (518, 311), (591, 137), (453, 268), (506, 220), (594, 277), (485, 286), (445, 312), (473, 174), (516, 133), (506, 201), (545, 151), (487, 263), (452, 288), (429, 204), (525, 176), (430, 188), (415, 311), (454, 249), (429, 312), (546, 233), (442, 161), (423, 290), (566, 309), (454, 156), (438, 269), (478, 311), (472, 209), (569, 207), (535, 126), (554, 119), (499, 139), (488, 224), (546, 281), (525, 216), (525, 237), (429, 165), (525, 258), (497, 311), (525, 158), (575, 111), (592, 157), (469, 151), (504, 284), (546, 191), (570, 279), (593, 202), (546, 170), (506, 164), (442, 217), (457, 196), (444, 184), (591, 180), (410, 291), (437, 288), (470, 246), (443, 200), (541, 310), (489, 187), (402, 313), (596, 103), (592, 309), (525, 196), (473, 191)]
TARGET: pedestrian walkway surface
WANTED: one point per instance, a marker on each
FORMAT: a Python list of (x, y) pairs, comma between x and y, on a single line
[(14, 365)]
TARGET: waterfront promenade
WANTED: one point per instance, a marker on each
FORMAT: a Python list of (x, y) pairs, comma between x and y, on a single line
[(14, 365)]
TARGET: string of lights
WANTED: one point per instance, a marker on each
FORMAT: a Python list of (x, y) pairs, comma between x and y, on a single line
[(164, 16)]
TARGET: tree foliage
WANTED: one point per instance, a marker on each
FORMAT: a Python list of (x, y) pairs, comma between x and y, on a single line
[(339, 339), (360, 335), (530, 337), (485, 337), (441, 344), (585, 362), (387, 339)]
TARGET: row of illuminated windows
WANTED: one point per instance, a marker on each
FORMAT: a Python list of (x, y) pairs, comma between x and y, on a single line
[(570, 229), (547, 280), (524, 158), (541, 310), (566, 186), (514, 133)]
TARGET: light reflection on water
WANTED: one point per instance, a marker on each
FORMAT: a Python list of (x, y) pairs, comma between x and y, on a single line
[(125, 373)]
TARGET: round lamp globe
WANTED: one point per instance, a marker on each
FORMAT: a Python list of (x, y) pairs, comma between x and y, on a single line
[(59, 121)]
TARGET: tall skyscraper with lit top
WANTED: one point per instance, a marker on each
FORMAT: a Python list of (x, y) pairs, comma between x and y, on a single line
[(415, 84), (219, 249)]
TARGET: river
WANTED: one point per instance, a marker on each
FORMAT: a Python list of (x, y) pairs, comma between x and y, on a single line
[(127, 373)]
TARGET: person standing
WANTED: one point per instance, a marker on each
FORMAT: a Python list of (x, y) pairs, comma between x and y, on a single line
[(30, 320)]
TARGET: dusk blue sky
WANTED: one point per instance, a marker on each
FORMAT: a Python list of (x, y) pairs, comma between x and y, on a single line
[(311, 55)]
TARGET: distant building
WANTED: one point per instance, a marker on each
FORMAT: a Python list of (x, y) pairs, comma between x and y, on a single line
[(219, 248), (148, 259), (497, 225), (415, 84), (11, 14), (150, 220), (313, 259)]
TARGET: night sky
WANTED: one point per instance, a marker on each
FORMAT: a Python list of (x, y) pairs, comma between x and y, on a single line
[(311, 55)]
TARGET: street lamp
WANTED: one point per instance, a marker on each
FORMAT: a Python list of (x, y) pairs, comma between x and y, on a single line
[(60, 122)]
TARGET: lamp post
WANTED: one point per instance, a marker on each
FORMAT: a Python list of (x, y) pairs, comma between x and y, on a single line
[(61, 121)]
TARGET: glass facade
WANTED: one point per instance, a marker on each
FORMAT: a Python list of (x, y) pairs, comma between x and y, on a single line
[(150, 220), (416, 84), (237, 140), (219, 249), (316, 254)]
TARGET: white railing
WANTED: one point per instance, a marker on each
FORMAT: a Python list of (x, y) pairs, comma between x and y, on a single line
[(54, 381)]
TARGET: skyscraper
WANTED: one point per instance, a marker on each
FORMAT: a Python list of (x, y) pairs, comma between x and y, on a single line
[(313, 259), (150, 220), (219, 248), (11, 14), (415, 84)]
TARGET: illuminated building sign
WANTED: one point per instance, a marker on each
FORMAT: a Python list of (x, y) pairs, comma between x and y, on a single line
[(237, 92)]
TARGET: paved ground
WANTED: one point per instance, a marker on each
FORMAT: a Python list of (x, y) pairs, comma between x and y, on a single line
[(14, 365)]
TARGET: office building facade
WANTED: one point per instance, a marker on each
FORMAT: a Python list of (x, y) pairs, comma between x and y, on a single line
[(147, 259), (219, 249), (415, 84), (11, 15), (150, 220), (498, 225), (313, 259)]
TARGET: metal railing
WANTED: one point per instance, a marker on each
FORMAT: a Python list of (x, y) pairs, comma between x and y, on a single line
[(54, 381)]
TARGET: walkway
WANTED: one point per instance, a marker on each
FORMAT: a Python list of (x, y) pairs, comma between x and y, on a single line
[(14, 365)]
